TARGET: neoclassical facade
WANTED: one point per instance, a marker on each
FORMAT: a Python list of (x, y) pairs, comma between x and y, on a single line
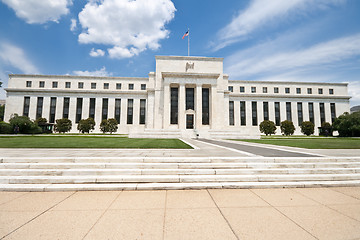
[(185, 96)]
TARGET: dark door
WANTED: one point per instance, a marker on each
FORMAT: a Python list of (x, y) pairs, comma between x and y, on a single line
[(189, 121)]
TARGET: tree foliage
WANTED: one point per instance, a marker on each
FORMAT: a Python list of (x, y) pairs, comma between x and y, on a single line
[(109, 125), (287, 127), (326, 129), (307, 128), (348, 125), (268, 127), (41, 121), (86, 125), (5, 128), (63, 125), (24, 124)]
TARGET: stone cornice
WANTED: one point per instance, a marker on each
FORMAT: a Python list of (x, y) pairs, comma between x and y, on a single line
[(76, 77), (287, 83), (189, 58), (78, 91), (310, 96), (190, 75)]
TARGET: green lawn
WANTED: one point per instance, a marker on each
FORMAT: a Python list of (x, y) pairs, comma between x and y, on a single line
[(88, 142), (312, 143)]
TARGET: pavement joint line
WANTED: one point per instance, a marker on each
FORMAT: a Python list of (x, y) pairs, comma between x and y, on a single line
[(165, 208), (37, 216), (222, 214), (24, 193), (345, 194), (231, 149), (102, 214), (284, 214)]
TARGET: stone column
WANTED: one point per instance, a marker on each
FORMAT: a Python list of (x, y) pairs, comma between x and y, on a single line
[(136, 111), (198, 106), (32, 108), (150, 110), (237, 113), (213, 104), (86, 106), (166, 117), (182, 99)]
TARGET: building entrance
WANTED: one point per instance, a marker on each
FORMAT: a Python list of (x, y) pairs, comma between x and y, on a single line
[(189, 121)]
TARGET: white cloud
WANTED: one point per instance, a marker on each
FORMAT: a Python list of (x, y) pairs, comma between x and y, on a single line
[(97, 53), (73, 24), (130, 27), (261, 13), (39, 11), (97, 73), (354, 92)]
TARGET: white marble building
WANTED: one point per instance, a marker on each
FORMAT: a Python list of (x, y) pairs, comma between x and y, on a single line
[(185, 96)]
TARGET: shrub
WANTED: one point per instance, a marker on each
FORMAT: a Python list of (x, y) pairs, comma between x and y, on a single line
[(267, 127), (348, 125), (41, 121), (5, 128), (109, 125), (103, 126), (287, 127), (86, 125), (24, 124), (326, 129), (307, 128), (63, 125)]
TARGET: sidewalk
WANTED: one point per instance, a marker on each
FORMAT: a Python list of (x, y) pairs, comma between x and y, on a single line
[(320, 213)]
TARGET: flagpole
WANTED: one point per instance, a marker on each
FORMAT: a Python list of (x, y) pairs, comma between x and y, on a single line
[(188, 42)]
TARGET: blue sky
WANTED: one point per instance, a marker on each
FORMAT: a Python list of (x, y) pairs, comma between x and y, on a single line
[(284, 40)]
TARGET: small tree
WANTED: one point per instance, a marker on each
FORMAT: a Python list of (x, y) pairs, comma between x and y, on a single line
[(112, 125), (23, 124), (348, 125), (41, 121), (5, 128), (104, 126), (326, 129), (287, 127), (307, 128), (86, 125), (63, 125), (267, 127)]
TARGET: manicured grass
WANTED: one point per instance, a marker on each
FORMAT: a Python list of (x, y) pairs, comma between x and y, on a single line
[(88, 142), (312, 143)]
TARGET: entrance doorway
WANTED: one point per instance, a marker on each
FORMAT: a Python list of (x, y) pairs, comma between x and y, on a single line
[(189, 121)]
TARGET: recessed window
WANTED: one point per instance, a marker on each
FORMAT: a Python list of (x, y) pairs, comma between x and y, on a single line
[(68, 85), (106, 85), (41, 84), (309, 90), (331, 91), (54, 84), (264, 89), (242, 89), (320, 91), (287, 90), (231, 89), (131, 86), (253, 89), (118, 86), (93, 85), (276, 90), (143, 86), (298, 90), (28, 83), (80, 85)]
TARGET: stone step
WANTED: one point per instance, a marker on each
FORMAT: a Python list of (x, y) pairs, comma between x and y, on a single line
[(192, 171), (174, 178)]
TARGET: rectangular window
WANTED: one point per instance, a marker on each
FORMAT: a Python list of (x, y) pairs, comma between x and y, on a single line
[(205, 106), (242, 113), (333, 112), (331, 91), (41, 84), (142, 111), (254, 113), (80, 85), (26, 106), (231, 113), (52, 110), (276, 90), (39, 107), (266, 110), (106, 85), (118, 86), (117, 109), (66, 107), (242, 89), (174, 106), (79, 102), (28, 83), (287, 90), (320, 91), (264, 89), (309, 90), (93, 85), (190, 98), (300, 113), (277, 114), (298, 90), (253, 89), (322, 112), (104, 112), (92, 108), (67, 84), (231, 88), (288, 111), (143, 86), (54, 84), (131, 86), (130, 111), (311, 112)]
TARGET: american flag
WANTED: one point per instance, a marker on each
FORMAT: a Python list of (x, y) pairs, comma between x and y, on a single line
[(186, 34)]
